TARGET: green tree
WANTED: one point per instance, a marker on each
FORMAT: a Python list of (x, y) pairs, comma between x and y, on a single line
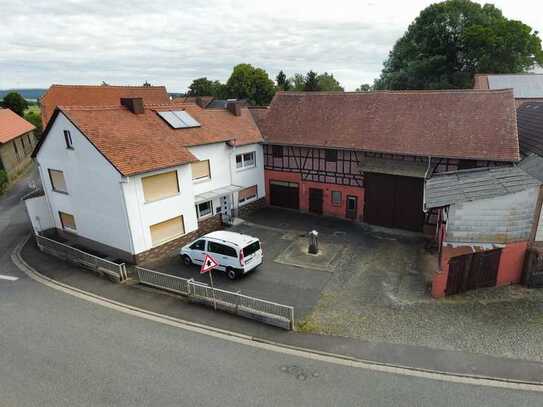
[(35, 119), (298, 82), (327, 82), (311, 82), (451, 41), (283, 83), (364, 88), (15, 102), (206, 87), (253, 84)]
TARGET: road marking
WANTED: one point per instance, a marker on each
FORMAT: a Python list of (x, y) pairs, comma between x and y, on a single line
[(9, 278), (267, 345)]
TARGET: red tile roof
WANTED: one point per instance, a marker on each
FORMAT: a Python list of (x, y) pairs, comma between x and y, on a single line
[(457, 124), (138, 143), (12, 125), (101, 95)]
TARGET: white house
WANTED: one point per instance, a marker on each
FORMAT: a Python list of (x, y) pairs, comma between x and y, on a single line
[(142, 180)]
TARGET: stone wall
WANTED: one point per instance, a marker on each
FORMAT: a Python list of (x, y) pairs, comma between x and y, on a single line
[(12, 163), (251, 207), (172, 247)]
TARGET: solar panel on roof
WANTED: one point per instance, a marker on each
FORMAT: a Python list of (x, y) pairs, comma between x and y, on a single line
[(179, 119)]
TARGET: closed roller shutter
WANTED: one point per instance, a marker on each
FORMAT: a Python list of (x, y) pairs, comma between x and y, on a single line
[(167, 230), (200, 170), (160, 186)]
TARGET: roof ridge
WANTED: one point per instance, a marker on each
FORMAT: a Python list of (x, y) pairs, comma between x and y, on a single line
[(394, 92), (106, 86)]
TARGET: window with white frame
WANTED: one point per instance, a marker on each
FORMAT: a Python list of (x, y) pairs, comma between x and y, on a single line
[(246, 160), (247, 194), (204, 209)]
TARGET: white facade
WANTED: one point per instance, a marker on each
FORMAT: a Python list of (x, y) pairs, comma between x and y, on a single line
[(110, 208)]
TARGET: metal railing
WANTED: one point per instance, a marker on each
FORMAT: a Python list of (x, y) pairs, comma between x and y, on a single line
[(79, 257), (250, 307)]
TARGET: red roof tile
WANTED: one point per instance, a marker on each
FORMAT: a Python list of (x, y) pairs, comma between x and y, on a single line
[(12, 125), (106, 95), (138, 143), (457, 124)]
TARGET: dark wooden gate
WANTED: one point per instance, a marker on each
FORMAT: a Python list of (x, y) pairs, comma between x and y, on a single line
[(394, 201), (472, 271), (284, 194), (315, 200)]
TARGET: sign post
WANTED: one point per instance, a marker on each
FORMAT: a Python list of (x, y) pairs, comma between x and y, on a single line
[(207, 267)]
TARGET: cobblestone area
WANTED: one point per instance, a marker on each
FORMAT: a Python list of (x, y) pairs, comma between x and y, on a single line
[(379, 292)]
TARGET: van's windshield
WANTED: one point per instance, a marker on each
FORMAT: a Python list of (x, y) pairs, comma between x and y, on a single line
[(251, 249)]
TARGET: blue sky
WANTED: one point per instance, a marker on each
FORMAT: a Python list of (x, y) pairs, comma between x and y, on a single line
[(173, 42)]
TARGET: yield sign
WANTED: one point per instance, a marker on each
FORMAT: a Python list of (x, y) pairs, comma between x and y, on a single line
[(209, 264)]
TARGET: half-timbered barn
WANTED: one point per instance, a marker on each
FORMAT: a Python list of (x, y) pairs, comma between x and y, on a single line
[(364, 156)]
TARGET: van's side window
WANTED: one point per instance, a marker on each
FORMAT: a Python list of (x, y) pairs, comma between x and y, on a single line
[(218, 248), (199, 245)]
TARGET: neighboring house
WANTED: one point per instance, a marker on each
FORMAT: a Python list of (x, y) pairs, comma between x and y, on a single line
[(527, 87), (144, 180), (100, 95), (17, 142), (487, 218), (364, 156), (530, 128)]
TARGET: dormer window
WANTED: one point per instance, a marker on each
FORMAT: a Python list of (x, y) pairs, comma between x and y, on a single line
[(68, 139)]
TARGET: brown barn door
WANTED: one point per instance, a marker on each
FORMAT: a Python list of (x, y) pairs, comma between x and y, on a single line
[(393, 201), (284, 194), (473, 271), (352, 207), (315, 200)]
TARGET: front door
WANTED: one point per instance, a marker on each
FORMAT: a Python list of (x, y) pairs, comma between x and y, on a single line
[(352, 207), (315, 200)]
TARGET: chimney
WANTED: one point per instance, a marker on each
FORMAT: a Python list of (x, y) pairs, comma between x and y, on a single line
[(234, 107), (135, 105)]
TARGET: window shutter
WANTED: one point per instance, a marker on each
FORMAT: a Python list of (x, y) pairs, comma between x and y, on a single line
[(160, 186), (200, 169), (247, 193), (167, 230)]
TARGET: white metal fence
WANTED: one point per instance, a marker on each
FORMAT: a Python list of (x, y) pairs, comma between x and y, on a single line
[(265, 311), (87, 260)]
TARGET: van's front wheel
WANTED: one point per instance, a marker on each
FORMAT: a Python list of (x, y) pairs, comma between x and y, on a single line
[(231, 273), (186, 260)]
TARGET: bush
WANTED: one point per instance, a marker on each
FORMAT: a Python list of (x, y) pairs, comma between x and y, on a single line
[(3, 180)]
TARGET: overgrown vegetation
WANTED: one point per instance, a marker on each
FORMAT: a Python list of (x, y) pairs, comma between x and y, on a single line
[(3, 181)]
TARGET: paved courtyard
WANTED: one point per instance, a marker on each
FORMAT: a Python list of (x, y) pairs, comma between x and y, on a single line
[(373, 285)]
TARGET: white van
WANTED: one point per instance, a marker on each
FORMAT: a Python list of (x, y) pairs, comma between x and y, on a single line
[(236, 254)]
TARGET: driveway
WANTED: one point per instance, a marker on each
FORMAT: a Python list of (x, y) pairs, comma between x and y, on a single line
[(374, 285), (291, 276)]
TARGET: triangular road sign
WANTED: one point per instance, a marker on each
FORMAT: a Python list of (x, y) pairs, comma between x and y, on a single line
[(209, 264)]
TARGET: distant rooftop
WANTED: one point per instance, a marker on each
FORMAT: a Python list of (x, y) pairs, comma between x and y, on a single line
[(525, 86)]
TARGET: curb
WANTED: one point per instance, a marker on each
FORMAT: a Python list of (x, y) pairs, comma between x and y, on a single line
[(261, 343)]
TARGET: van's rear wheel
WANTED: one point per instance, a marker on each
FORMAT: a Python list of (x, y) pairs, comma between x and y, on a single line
[(186, 260), (231, 273)]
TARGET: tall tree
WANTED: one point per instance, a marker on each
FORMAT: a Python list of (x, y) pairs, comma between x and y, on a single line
[(364, 88), (205, 87), (283, 83), (298, 82), (15, 102), (452, 40), (327, 82), (311, 82), (253, 84)]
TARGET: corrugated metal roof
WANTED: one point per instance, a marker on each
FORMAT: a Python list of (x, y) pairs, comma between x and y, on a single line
[(523, 85), (471, 185), (530, 128), (533, 165)]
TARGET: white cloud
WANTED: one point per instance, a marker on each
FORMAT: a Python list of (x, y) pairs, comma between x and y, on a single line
[(171, 43)]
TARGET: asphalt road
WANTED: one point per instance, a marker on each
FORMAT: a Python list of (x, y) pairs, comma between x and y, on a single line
[(58, 350)]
